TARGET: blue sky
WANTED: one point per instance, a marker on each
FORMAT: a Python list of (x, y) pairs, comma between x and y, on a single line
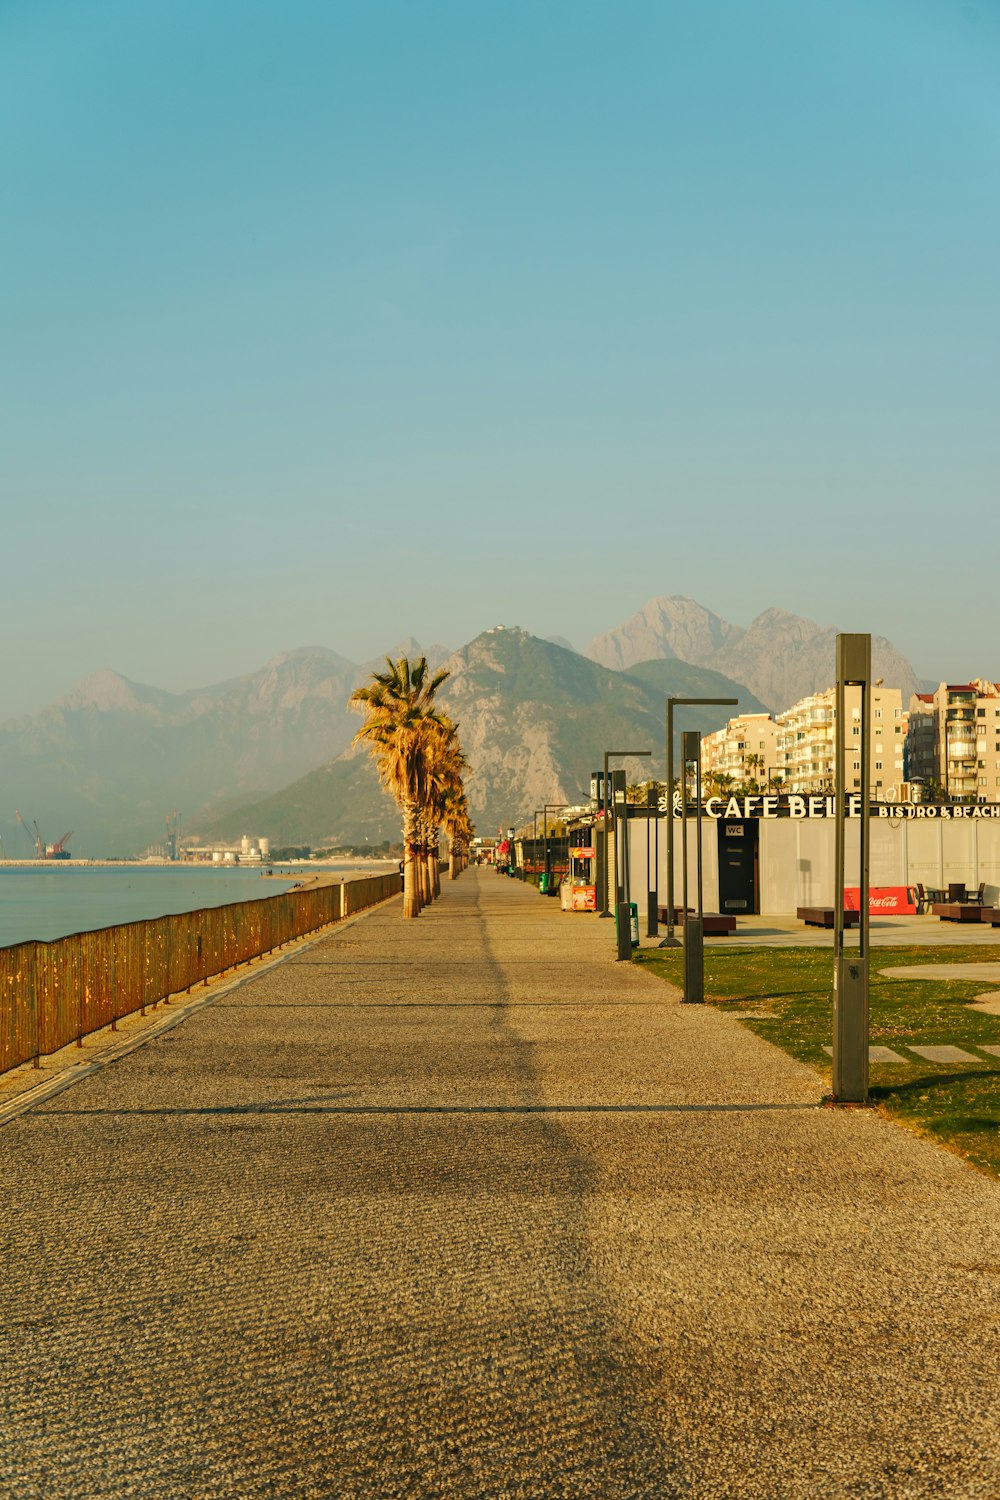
[(329, 323)]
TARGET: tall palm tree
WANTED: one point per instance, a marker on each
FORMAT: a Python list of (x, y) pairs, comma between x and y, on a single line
[(445, 764), (400, 722)]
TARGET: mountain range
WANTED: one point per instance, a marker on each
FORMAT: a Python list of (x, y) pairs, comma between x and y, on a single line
[(535, 720), (269, 752), (781, 657)]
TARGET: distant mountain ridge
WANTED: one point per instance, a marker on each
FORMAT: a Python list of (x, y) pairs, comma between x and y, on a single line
[(780, 656), (112, 757), (534, 719)]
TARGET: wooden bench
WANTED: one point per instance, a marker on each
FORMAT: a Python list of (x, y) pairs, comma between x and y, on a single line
[(713, 923), (957, 911), (990, 914), (823, 916)]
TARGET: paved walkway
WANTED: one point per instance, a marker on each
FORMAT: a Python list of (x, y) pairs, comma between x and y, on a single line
[(461, 1207)]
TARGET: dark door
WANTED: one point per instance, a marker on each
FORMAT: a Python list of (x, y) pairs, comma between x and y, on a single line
[(737, 865)]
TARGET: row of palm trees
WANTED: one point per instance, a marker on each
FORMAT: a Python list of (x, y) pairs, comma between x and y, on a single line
[(416, 750)]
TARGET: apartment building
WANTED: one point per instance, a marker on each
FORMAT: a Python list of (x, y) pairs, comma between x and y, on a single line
[(746, 750), (807, 750), (953, 740)]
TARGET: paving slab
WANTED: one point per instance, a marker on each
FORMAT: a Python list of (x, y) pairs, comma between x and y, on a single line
[(463, 1207), (944, 1054), (876, 1054), (970, 971)]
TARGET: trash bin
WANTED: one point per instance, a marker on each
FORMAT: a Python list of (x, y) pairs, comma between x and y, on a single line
[(633, 922), (543, 884)]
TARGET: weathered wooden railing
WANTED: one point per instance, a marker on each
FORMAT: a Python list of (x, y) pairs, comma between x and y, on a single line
[(55, 993)]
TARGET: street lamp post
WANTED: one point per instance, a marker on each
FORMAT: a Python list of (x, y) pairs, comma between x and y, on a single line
[(694, 927), (670, 941), (550, 807), (534, 836), (608, 804), (850, 972), (652, 860)]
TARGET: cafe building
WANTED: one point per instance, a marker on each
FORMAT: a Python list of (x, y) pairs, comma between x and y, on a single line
[(773, 854)]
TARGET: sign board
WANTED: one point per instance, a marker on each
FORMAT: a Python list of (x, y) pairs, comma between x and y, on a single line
[(583, 851), (584, 898), (883, 900), (823, 806)]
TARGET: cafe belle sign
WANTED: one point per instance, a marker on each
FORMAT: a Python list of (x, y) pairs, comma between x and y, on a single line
[(793, 806)]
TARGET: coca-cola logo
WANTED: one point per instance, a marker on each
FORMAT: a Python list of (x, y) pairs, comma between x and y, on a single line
[(882, 899)]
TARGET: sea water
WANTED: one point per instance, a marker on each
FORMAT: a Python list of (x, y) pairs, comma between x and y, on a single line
[(55, 900)]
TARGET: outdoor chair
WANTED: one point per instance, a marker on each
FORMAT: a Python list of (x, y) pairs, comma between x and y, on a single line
[(975, 898)]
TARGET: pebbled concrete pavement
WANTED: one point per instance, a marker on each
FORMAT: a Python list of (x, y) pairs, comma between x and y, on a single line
[(463, 1207)]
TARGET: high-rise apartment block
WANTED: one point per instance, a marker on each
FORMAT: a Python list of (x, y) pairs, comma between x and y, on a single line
[(799, 748), (807, 748), (746, 750), (954, 740)]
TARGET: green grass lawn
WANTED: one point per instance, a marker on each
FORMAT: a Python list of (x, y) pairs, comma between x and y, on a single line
[(788, 992)]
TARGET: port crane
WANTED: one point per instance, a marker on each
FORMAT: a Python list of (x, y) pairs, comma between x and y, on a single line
[(42, 849), (37, 840)]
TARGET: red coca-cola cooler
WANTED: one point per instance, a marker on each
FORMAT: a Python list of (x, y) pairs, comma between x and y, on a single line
[(883, 900)]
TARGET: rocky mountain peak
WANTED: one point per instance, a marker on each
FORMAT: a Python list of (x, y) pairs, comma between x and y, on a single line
[(780, 656)]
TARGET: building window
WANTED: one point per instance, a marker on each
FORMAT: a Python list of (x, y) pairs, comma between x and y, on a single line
[(878, 713), (857, 765), (878, 767), (982, 781), (980, 713)]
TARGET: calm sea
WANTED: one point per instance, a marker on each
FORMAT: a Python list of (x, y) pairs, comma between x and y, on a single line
[(53, 902)]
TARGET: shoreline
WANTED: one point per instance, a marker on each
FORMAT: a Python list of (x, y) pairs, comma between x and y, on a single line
[(37, 865)]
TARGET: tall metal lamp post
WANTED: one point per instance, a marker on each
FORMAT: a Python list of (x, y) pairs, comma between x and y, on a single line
[(670, 941), (608, 805), (850, 969), (550, 807), (694, 926)]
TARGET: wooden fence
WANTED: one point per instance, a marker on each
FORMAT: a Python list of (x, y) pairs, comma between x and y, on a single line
[(54, 993)]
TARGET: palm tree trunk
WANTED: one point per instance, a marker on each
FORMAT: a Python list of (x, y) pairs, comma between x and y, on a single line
[(452, 860), (411, 888)]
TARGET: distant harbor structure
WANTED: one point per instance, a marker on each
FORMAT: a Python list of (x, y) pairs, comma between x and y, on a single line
[(249, 851)]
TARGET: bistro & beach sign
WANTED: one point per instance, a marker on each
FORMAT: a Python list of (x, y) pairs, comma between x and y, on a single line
[(794, 806)]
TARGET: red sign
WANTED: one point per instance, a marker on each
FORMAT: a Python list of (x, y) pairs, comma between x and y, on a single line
[(883, 900), (584, 897)]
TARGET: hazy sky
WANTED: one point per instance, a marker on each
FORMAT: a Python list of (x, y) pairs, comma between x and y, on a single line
[(328, 323)]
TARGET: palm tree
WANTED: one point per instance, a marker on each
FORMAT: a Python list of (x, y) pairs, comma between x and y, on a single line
[(458, 827), (401, 720), (447, 803)]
